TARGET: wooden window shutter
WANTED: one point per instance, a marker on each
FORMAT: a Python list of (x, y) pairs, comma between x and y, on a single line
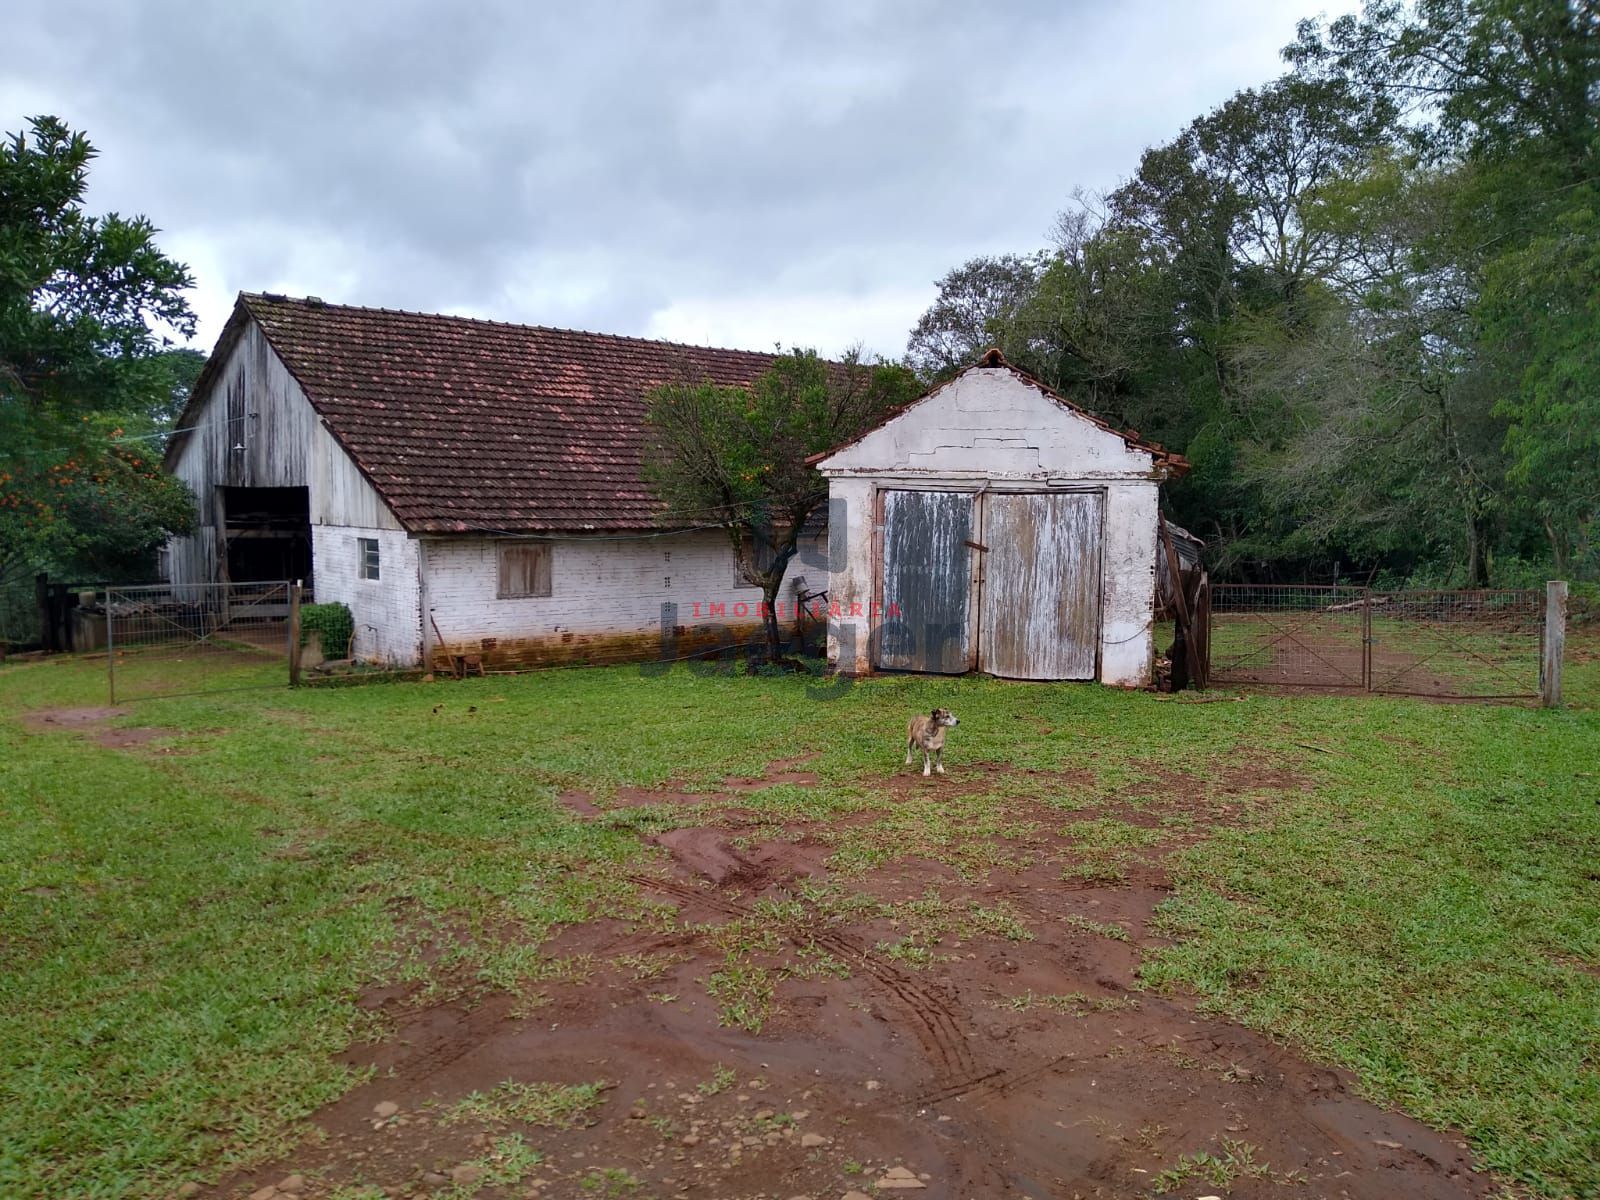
[(524, 570)]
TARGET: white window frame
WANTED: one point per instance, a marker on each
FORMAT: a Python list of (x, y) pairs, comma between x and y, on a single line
[(369, 559)]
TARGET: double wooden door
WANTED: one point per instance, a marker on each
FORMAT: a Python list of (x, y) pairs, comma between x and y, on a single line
[(1003, 582)]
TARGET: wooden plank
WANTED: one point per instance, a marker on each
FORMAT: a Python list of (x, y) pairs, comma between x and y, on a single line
[(1555, 640), (926, 582), (1200, 630), (1041, 593), (1190, 655)]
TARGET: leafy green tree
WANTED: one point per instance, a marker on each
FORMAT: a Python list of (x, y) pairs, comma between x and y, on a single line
[(1553, 404), (1504, 104), (86, 372), (976, 308), (736, 456)]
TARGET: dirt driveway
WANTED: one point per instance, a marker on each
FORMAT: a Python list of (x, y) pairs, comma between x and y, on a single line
[(965, 1024)]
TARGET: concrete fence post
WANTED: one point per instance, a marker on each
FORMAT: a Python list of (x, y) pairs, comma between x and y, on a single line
[(1555, 638)]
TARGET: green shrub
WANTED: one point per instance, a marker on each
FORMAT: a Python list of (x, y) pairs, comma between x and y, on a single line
[(333, 622)]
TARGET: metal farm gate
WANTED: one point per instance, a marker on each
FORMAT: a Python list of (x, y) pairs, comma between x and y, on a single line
[(183, 639), (1482, 645)]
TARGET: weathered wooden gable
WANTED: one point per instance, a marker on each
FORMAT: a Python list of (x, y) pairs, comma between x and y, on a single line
[(254, 427)]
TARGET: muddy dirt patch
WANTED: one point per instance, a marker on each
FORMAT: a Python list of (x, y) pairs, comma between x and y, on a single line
[(95, 722), (713, 855), (127, 737), (776, 1028), (71, 718)]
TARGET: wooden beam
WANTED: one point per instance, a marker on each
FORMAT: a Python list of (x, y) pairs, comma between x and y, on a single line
[(1181, 603), (1555, 640)]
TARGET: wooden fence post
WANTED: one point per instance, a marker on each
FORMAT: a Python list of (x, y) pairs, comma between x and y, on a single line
[(1555, 639), (294, 632), (1181, 609)]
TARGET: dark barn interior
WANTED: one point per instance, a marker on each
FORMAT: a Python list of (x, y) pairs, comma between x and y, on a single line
[(268, 532)]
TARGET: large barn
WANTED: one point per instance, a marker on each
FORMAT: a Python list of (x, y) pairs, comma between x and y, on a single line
[(466, 487), (994, 526)]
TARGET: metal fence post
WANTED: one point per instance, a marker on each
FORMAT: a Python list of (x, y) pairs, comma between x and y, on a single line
[(1366, 639), (111, 648), (1555, 638)]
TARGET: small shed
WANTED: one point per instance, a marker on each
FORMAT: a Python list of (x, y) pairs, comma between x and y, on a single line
[(993, 525)]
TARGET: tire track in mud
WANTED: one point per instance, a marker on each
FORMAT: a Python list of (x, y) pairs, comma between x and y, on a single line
[(935, 1022)]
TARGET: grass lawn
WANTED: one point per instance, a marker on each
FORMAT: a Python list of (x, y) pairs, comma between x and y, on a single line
[(185, 925)]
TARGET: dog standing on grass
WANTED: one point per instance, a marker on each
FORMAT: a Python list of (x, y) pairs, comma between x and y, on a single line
[(926, 733)]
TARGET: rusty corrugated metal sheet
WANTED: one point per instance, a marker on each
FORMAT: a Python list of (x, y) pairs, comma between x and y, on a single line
[(927, 582), (1041, 585)]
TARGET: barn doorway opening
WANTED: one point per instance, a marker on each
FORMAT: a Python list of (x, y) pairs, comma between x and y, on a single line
[(268, 533)]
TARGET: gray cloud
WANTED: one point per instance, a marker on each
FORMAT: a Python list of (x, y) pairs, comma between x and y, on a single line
[(737, 173)]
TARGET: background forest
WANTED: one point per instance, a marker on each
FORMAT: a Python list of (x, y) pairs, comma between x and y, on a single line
[(1363, 298)]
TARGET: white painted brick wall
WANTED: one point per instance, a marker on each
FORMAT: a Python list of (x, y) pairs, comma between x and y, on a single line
[(387, 610), (610, 587)]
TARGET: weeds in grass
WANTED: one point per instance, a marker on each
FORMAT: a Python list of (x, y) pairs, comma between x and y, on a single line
[(1149, 1135), (911, 952), (1102, 928), (812, 961), (643, 967), (1108, 833), (1237, 1161), (743, 991), (550, 1105), (515, 966), (722, 1078), (972, 833), (1076, 1003), (1099, 870), (509, 1161), (609, 1181)]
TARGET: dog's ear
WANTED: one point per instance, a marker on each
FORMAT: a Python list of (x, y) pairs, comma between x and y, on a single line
[(934, 714)]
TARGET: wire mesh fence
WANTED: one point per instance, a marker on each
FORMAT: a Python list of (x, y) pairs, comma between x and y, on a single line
[(1476, 644), (1289, 635), (173, 640), (1483, 644)]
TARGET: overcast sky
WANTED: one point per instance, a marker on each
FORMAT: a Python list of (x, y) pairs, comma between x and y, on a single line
[(737, 174)]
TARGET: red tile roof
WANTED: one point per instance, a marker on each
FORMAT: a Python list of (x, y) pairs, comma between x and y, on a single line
[(465, 425)]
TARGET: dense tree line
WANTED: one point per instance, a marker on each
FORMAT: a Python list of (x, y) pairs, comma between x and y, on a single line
[(88, 386), (1363, 298)]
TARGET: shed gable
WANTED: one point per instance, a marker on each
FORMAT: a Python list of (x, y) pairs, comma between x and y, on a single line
[(992, 422)]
